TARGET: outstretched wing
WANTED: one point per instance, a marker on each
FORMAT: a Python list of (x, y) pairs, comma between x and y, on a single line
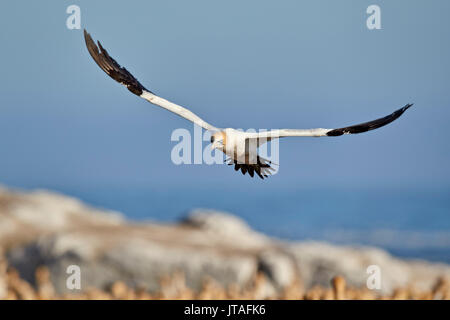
[(371, 125), (123, 76), (358, 128)]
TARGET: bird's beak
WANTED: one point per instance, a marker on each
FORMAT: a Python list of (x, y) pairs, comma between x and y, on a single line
[(214, 145)]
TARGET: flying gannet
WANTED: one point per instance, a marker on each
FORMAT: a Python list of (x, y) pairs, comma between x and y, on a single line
[(241, 147)]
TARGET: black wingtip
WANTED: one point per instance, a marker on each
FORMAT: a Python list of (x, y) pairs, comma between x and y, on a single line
[(111, 67), (400, 111), (409, 105), (87, 37), (371, 125)]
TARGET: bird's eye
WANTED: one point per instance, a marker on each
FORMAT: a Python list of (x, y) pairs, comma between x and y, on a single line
[(212, 139)]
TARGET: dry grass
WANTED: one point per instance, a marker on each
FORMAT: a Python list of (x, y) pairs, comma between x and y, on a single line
[(174, 287)]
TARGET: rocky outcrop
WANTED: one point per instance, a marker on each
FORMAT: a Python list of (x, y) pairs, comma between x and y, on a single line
[(26, 216), (320, 262), (42, 228)]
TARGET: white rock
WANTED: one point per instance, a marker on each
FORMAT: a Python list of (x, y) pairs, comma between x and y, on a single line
[(46, 228)]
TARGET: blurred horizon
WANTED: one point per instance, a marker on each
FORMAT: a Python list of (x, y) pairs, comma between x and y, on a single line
[(67, 127), (408, 223)]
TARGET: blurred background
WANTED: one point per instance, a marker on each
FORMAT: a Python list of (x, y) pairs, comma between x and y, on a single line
[(67, 127)]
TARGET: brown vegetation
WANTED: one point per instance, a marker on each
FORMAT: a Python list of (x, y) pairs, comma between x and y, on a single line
[(174, 287)]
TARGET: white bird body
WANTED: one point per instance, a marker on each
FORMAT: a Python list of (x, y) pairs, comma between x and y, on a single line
[(241, 147), (234, 145)]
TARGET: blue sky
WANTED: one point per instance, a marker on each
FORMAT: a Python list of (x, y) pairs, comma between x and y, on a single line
[(258, 64)]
